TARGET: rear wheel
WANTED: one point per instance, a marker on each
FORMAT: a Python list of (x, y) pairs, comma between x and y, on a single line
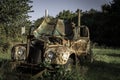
[(88, 58)]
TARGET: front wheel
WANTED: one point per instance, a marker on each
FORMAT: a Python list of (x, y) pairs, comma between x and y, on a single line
[(69, 66), (88, 58)]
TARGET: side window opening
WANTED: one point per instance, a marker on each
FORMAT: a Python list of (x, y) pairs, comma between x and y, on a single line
[(83, 32)]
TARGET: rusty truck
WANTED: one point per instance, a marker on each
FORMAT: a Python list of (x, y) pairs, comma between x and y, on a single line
[(54, 43)]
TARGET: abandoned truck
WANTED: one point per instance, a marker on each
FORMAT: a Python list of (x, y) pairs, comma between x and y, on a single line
[(54, 42)]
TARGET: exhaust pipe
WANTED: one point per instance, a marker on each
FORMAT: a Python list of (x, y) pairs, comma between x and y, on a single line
[(79, 23), (46, 13), (79, 16)]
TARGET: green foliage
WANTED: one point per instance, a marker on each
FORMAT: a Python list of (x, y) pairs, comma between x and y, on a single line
[(66, 15), (38, 22), (62, 74), (13, 10), (13, 16), (4, 45), (104, 26)]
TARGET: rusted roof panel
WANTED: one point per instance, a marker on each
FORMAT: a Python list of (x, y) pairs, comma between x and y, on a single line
[(50, 27)]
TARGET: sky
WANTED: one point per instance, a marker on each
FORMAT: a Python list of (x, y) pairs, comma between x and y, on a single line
[(56, 6)]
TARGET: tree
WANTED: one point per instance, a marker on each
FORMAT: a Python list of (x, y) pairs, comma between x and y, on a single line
[(66, 15), (38, 22), (13, 15), (105, 8)]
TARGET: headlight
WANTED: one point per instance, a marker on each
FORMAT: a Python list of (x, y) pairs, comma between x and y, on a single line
[(50, 54), (21, 53), (18, 52), (65, 56)]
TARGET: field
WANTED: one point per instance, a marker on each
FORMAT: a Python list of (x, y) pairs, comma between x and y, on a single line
[(106, 66)]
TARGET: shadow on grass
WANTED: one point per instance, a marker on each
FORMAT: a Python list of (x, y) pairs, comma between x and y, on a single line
[(103, 71), (113, 55), (98, 70), (3, 62)]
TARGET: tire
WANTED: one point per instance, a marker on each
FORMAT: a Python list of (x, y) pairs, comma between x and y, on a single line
[(85, 59), (81, 60), (89, 57), (69, 65)]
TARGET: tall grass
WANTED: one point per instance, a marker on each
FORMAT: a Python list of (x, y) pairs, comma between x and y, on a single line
[(106, 66)]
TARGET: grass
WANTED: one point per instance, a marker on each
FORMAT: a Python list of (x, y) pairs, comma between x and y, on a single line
[(107, 55), (106, 66), (5, 56)]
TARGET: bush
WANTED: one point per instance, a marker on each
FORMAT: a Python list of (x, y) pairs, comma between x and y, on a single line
[(4, 46), (62, 74)]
